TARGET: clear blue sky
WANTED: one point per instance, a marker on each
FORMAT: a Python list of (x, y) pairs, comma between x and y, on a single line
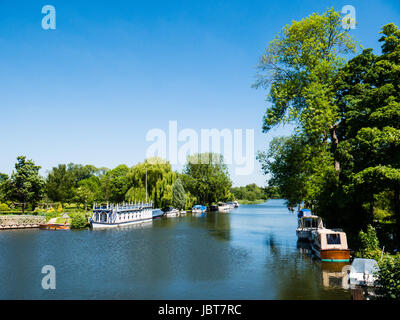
[(89, 91)]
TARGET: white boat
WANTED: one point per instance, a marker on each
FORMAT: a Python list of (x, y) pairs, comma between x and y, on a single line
[(306, 225), (363, 272), (330, 245), (171, 212), (223, 207), (231, 205), (236, 204), (112, 216), (199, 209)]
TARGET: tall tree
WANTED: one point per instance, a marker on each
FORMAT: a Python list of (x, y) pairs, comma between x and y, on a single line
[(370, 103), (178, 195), (115, 183), (207, 178), (60, 184), (25, 184), (299, 68), (3, 179)]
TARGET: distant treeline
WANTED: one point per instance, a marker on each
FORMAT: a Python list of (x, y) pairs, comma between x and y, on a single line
[(252, 192), (198, 183)]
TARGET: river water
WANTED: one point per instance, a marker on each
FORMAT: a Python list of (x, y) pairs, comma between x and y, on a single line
[(249, 253)]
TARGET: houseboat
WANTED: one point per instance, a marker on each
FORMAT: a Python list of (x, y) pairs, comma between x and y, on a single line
[(330, 245), (306, 225), (111, 216)]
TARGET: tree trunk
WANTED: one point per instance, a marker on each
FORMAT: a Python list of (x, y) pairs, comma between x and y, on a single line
[(335, 143), (23, 208)]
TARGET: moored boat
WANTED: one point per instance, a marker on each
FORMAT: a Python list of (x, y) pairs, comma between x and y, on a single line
[(112, 216), (306, 225), (330, 245), (236, 204), (199, 209), (171, 212), (157, 213), (213, 207), (54, 226), (223, 207)]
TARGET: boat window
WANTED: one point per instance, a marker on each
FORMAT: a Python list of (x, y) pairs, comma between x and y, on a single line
[(333, 238)]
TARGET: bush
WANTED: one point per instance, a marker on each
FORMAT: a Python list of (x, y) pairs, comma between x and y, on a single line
[(369, 244), (4, 207), (79, 221), (389, 278), (60, 208)]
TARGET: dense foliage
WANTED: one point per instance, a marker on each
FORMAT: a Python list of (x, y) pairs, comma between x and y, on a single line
[(79, 220), (251, 192), (206, 177), (85, 185), (343, 159)]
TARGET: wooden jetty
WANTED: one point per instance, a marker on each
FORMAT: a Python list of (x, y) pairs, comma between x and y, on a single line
[(21, 221)]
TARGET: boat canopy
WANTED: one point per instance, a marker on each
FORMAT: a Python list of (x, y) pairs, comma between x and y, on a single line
[(362, 271), (198, 206), (332, 239), (304, 213)]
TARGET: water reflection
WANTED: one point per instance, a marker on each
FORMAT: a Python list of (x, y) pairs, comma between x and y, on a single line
[(249, 253), (334, 274)]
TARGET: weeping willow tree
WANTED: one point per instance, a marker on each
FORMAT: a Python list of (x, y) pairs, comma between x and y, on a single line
[(160, 179)]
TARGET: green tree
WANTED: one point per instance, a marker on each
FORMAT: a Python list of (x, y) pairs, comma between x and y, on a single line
[(3, 179), (115, 184), (88, 191), (369, 100), (299, 68), (160, 179), (207, 178), (178, 195), (25, 184), (60, 184)]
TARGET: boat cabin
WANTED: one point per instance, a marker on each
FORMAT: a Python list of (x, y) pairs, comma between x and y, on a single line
[(330, 245)]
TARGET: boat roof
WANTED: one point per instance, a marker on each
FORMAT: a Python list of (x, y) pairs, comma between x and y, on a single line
[(364, 265), (330, 231)]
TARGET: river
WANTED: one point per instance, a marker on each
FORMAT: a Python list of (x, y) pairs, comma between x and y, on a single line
[(249, 253)]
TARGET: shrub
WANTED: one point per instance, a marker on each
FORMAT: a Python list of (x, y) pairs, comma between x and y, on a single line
[(79, 221), (60, 208), (4, 207), (388, 278), (369, 244), (51, 210)]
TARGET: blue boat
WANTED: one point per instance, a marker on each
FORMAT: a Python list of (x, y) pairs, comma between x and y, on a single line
[(199, 209), (304, 213)]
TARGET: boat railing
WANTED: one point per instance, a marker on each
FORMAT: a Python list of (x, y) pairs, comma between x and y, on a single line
[(123, 206)]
